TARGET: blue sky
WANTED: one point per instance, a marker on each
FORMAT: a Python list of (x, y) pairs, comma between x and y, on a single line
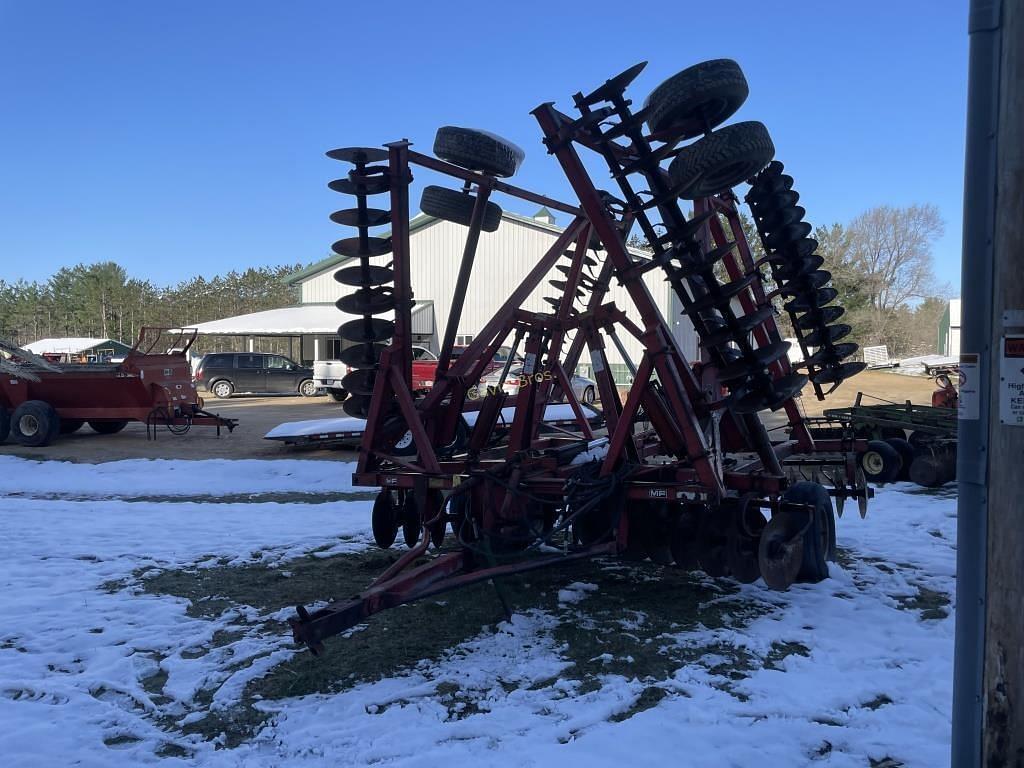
[(188, 137)]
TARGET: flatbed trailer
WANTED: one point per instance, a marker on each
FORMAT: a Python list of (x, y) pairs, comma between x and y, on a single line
[(40, 400)]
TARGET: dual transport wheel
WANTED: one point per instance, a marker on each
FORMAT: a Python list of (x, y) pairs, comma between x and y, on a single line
[(693, 103), (473, 150)]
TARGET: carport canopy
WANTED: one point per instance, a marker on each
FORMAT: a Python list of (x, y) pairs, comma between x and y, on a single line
[(314, 320)]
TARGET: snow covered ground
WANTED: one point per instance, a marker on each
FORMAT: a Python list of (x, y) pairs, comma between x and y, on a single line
[(95, 671)]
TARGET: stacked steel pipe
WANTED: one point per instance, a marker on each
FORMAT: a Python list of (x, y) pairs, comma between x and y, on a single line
[(796, 269), (374, 294)]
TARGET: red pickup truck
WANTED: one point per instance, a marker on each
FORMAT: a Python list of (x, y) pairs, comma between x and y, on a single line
[(327, 374)]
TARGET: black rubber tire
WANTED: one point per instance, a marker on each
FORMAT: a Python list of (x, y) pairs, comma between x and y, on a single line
[(35, 424), (410, 521), (338, 395), (225, 387), (308, 388), (907, 455), (698, 98), (589, 396), (5, 423), (477, 150), (70, 426), (721, 160), (452, 205), (108, 427), (881, 462), (820, 538)]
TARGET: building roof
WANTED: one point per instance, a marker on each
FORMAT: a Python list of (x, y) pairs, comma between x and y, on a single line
[(422, 221), (287, 321), (69, 346)]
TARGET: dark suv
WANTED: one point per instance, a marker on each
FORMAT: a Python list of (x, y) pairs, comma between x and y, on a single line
[(228, 373)]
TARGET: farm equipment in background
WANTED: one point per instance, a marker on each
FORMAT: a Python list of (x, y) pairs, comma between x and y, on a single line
[(905, 441), (686, 470), (40, 400)]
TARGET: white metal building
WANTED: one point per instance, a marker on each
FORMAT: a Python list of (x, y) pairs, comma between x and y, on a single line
[(503, 259), (949, 330)]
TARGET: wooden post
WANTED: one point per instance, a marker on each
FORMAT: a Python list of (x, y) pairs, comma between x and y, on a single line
[(1003, 682)]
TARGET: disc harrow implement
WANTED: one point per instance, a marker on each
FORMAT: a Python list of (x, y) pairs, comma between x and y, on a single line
[(681, 468)]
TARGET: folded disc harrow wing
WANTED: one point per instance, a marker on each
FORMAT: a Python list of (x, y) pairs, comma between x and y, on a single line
[(684, 470)]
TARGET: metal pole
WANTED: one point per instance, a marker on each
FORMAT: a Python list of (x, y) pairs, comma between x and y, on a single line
[(972, 450)]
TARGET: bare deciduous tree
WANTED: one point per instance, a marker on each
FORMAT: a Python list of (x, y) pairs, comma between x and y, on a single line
[(890, 252)]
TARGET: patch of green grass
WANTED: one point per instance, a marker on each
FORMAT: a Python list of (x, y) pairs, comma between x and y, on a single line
[(780, 650), (933, 605), (648, 699)]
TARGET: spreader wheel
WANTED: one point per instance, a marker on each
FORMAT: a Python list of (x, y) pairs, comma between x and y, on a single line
[(35, 423), (697, 99), (457, 207), (385, 518), (721, 160), (477, 150), (70, 426)]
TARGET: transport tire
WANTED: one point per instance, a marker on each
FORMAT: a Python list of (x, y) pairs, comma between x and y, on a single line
[(338, 395), (907, 455), (70, 426), (721, 160), (5, 423), (308, 388), (932, 471), (820, 538), (477, 150), (35, 424), (452, 205), (881, 462), (222, 389), (697, 99), (108, 427)]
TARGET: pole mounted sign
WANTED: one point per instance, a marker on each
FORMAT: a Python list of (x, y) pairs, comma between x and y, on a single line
[(1011, 381), (970, 378)]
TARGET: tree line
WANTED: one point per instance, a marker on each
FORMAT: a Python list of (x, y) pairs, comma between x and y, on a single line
[(102, 301)]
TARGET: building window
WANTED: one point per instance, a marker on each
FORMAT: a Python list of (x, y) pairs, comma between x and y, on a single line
[(333, 349), (464, 340)]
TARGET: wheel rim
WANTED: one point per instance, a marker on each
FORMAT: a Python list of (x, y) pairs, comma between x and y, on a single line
[(405, 441), (222, 390), (308, 389), (28, 425), (588, 395), (873, 462)]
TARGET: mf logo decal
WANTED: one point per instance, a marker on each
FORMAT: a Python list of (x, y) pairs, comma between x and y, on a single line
[(658, 493)]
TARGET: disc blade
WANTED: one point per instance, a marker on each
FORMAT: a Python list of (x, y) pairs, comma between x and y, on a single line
[(364, 185), (357, 406), (838, 373), (351, 246), (362, 355), (367, 330), (818, 298), (358, 154), (786, 388), (791, 233), (353, 217), (819, 317), (359, 382), (828, 356), (367, 301), (365, 276), (828, 334)]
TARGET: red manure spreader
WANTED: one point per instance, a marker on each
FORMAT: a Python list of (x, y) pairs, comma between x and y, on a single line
[(683, 470), (40, 400)]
